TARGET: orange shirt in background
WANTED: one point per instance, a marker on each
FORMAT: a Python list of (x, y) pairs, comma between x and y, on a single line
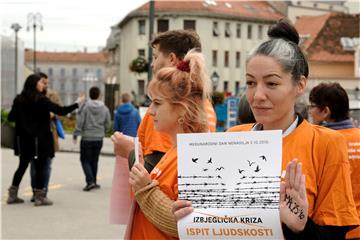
[(323, 153), (352, 136), (211, 115), (165, 172), (152, 140)]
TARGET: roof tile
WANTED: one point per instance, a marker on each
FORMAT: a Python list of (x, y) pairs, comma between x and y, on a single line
[(99, 57)]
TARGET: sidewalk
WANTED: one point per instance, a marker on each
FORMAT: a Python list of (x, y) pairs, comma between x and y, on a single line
[(67, 145), (75, 214)]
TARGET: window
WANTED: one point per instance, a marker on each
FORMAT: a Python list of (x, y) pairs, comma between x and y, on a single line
[(226, 59), (141, 87), (189, 25), (249, 32), (163, 25), (226, 86), (141, 52), (74, 72), (331, 7), (298, 3), (215, 29), (62, 86), (141, 24), (38, 70), (50, 72), (62, 97), (98, 73), (62, 72), (86, 70), (238, 60), (214, 58), (260, 32), (227, 30), (237, 88), (238, 30), (74, 85)]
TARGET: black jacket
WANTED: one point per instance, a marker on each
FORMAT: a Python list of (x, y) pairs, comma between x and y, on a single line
[(33, 137)]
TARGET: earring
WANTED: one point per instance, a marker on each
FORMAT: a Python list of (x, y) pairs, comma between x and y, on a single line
[(181, 121)]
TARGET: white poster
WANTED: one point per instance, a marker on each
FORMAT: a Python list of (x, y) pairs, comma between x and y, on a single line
[(233, 182)]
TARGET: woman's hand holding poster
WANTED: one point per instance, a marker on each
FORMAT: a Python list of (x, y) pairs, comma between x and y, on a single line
[(233, 182)]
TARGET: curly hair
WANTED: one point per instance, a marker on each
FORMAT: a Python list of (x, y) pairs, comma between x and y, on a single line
[(185, 90)]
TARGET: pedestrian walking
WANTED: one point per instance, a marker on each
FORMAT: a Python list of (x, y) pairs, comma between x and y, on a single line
[(33, 138), (92, 123), (127, 118)]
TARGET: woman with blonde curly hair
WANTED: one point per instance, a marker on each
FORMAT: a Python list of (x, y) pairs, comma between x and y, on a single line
[(177, 95)]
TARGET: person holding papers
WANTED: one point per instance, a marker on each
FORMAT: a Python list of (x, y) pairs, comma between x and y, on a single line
[(316, 199), (177, 95)]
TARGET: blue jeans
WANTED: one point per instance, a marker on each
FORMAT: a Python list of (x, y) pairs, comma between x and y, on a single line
[(46, 175), (89, 157)]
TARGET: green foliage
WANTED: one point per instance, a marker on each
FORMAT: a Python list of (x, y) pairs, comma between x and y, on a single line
[(217, 98), (139, 65), (4, 119)]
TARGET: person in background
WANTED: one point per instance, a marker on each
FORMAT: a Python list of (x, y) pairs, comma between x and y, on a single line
[(276, 75), (245, 114), (92, 123), (33, 138), (329, 107), (54, 97), (127, 118)]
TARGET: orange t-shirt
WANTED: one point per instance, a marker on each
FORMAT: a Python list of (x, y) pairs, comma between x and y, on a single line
[(323, 153), (211, 115), (152, 140), (352, 136), (165, 172)]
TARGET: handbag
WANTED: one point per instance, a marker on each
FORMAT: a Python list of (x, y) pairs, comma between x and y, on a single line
[(59, 129)]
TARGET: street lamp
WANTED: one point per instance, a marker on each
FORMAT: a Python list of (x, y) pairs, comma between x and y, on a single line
[(16, 27), (151, 30), (34, 20), (215, 80)]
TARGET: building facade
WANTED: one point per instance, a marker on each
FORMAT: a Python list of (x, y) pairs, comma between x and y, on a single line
[(228, 31), (331, 43), (7, 69), (295, 9), (70, 73)]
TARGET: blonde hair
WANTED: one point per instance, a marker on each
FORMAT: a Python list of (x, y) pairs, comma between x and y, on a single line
[(186, 90)]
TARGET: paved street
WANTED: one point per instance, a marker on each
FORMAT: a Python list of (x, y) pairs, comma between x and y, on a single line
[(75, 214)]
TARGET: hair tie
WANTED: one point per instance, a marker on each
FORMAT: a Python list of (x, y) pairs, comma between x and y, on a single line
[(183, 66)]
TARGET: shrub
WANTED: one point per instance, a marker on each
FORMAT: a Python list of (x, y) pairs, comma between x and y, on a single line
[(139, 65)]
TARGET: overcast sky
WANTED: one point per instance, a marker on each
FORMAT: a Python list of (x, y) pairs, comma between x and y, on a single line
[(69, 25)]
